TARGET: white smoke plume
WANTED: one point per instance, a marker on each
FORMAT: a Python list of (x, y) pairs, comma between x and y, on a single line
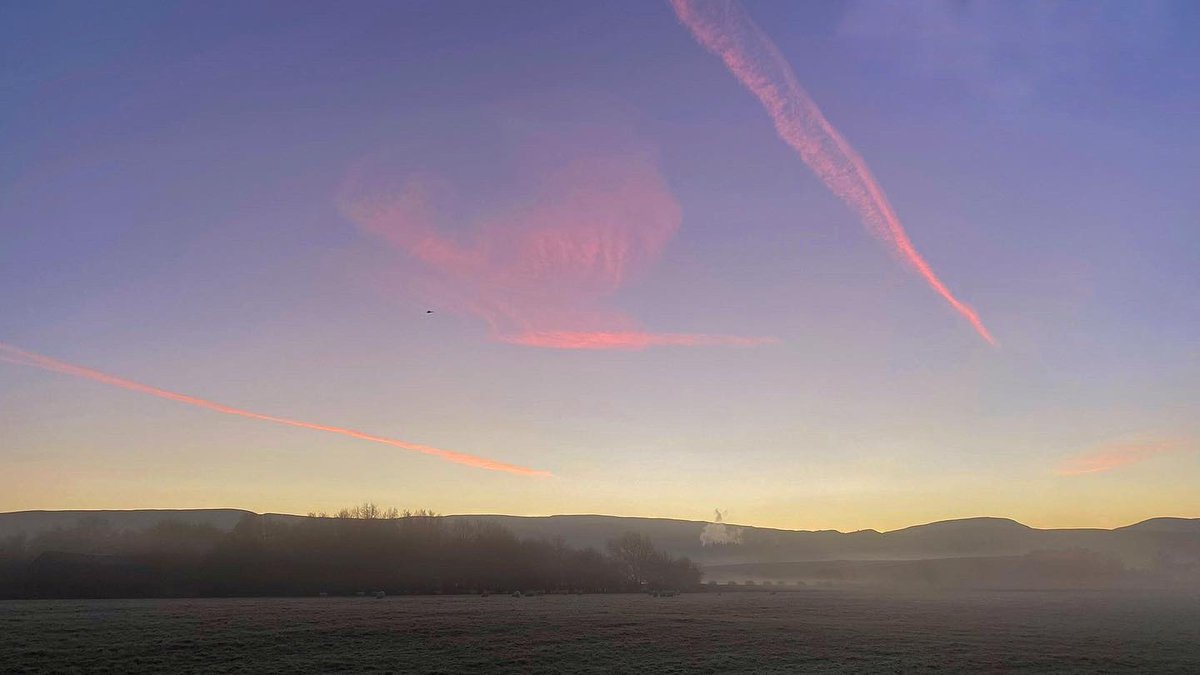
[(717, 532)]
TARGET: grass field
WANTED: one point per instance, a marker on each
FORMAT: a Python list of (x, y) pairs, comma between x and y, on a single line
[(731, 631)]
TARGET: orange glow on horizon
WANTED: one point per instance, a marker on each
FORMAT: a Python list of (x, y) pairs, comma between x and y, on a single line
[(725, 30), (11, 354)]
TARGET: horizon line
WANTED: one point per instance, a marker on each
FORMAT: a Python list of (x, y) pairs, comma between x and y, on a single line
[(605, 515)]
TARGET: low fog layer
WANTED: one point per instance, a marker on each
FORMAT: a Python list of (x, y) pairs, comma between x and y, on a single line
[(357, 551), (970, 553)]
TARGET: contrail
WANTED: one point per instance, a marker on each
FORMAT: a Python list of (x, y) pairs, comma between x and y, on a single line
[(724, 28), (631, 340), (12, 354)]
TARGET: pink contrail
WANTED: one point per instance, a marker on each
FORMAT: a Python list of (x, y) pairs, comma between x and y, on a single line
[(12, 354), (1116, 456), (724, 28), (631, 340)]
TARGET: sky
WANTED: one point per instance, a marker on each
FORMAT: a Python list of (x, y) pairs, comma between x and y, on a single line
[(650, 250)]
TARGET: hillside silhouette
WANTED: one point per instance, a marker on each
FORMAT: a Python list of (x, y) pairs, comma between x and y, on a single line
[(1135, 545), (234, 552), (360, 550)]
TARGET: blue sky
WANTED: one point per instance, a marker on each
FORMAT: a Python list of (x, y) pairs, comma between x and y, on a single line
[(173, 211)]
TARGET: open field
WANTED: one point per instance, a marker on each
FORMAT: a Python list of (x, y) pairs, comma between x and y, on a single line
[(731, 631)]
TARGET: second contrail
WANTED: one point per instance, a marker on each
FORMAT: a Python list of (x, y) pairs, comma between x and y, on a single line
[(18, 356), (725, 29)]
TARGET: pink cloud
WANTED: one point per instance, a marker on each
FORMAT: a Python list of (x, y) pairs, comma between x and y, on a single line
[(1115, 456), (540, 273)]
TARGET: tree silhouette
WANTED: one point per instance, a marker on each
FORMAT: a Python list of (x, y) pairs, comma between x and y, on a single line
[(362, 548)]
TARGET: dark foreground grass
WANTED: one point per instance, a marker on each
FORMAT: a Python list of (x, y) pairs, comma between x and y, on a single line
[(747, 632)]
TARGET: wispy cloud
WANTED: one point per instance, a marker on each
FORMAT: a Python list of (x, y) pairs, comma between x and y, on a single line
[(724, 28), (1116, 456), (542, 273)]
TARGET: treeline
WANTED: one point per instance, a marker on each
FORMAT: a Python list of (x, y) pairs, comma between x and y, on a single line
[(364, 549)]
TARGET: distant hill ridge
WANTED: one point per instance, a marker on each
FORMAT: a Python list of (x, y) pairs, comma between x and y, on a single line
[(1137, 545)]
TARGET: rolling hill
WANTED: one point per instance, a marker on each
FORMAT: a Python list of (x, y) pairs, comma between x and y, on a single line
[(719, 546)]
